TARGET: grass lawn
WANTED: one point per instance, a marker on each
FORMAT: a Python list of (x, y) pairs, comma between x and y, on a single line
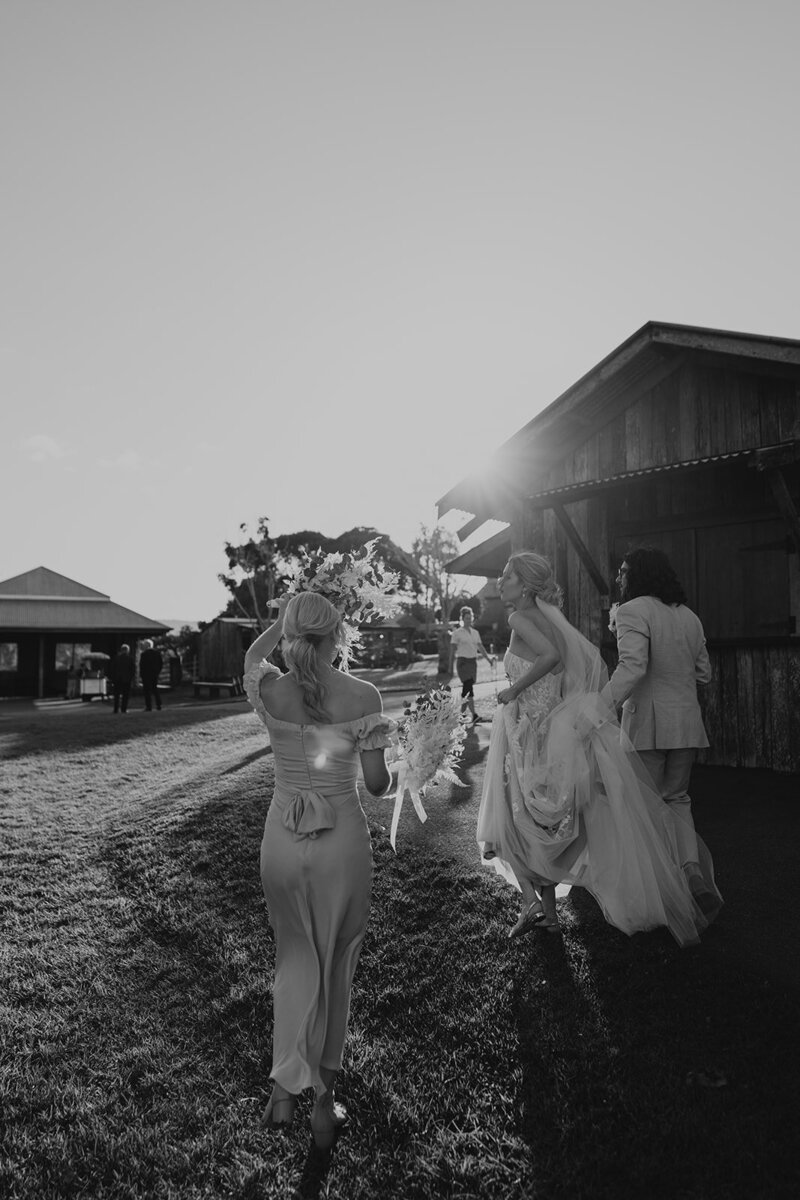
[(136, 1014)]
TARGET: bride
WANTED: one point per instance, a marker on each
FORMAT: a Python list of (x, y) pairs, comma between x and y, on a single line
[(566, 799)]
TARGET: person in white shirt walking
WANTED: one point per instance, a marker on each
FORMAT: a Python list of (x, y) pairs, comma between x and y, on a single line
[(465, 645)]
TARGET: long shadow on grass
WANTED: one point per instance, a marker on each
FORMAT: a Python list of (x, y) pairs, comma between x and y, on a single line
[(262, 752), (316, 1169), (472, 755), (196, 891), (31, 733), (198, 974), (162, 1025), (646, 1071)]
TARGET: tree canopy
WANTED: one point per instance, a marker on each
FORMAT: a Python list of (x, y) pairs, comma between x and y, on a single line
[(432, 549), (260, 566)]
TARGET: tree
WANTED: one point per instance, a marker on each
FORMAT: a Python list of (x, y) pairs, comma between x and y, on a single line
[(432, 549), (255, 570), (260, 566), (393, 557)]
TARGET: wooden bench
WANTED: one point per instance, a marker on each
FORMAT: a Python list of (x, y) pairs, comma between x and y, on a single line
[(214, 686)]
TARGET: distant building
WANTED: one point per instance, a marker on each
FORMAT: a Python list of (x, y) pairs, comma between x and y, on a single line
[(49, 624), (389, 642), (689, 440), (221, 647)]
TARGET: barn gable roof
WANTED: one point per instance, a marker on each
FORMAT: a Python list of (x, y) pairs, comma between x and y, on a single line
[(640, 363)]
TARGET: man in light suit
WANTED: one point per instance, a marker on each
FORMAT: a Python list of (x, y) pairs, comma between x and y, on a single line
[(662, 659)]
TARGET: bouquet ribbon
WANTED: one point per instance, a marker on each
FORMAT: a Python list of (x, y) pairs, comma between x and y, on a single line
[(405, 783), (307, 813)]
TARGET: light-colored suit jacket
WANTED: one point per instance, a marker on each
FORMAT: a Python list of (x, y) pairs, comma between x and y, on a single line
[(662, 658)]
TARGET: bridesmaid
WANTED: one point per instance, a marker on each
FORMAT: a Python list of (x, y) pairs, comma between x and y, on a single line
[(316, 855)]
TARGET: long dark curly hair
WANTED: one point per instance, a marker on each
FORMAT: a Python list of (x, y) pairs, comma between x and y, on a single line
[(650, 573)]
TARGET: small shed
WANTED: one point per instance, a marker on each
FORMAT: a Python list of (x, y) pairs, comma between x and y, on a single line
[(49, 624), (687, 439), (221, 647)]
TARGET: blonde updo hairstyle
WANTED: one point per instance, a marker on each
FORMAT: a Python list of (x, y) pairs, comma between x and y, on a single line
[(536, 576), (308, 619)]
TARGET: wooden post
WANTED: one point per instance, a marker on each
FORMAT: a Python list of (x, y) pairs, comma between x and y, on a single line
[(40, 680), (785, 504)]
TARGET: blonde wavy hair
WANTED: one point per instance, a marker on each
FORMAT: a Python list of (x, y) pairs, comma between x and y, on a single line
[(536, 576), (309, 618)]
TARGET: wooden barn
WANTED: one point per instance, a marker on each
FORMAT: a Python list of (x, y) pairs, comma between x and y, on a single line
[(687, 439), (49, 623), (221, 647)]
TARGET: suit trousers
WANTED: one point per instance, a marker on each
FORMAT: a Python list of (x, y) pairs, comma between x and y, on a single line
[(670, 771)]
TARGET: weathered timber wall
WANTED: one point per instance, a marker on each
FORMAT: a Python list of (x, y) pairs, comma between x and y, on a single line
[(696, 412), (751, 707), (220, 653)]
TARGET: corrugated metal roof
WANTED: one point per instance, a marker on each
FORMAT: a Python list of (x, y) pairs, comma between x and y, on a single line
[(42, 600), (29, 613), (486, 558), (587, 486), (42, 582), (552, 432)]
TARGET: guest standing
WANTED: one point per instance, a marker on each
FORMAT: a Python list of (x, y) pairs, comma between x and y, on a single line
[(316, 855), (150, 664), (121, 673)]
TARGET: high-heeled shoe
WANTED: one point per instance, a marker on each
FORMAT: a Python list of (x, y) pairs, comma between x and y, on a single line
[(280, 1111), (327, 1118), (529, 917), (533, 918), (547, 924)]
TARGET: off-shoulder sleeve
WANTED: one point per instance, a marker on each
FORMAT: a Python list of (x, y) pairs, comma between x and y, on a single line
[(375, 732), (252, 684)]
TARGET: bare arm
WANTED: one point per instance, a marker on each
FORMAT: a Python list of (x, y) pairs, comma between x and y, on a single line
[(547, 657), (266, 642), (373, 762), (482, 649), (375, 772)]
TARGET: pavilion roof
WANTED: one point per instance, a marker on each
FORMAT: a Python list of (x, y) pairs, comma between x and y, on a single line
[(42, 600)]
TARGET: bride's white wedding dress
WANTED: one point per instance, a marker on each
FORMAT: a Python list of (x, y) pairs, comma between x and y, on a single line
[(565, 800)]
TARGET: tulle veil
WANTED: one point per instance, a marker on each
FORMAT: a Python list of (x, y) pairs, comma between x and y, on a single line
[(566, 799)]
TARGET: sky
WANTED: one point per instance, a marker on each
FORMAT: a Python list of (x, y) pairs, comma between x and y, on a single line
[(314, 261)]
